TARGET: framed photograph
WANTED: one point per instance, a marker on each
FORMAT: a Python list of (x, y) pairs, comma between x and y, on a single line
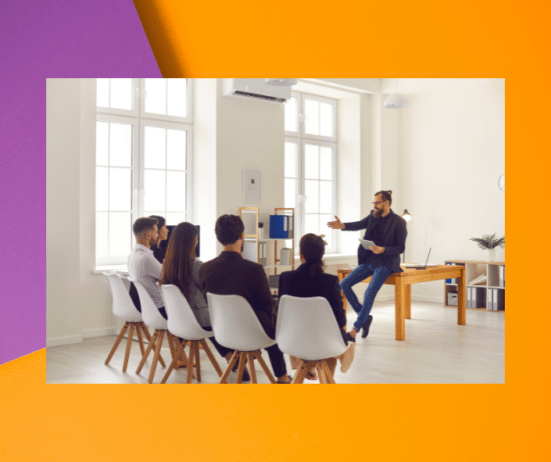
[(251, 185)]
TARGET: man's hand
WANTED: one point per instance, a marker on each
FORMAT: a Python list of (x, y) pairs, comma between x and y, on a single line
[(335, 224), (376, 249)]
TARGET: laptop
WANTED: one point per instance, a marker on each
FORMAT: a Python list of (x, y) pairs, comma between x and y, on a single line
[(420, 267)]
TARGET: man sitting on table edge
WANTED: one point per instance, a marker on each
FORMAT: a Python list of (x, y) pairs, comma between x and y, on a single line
[(388, 231)]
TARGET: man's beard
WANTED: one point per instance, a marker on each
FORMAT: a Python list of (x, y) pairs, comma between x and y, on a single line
[(377, 213)]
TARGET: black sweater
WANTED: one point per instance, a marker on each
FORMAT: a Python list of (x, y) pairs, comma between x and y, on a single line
[(389, 232)]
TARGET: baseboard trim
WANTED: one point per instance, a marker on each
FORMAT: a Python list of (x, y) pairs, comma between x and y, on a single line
[(425, 298), (88, 333), (57, 341)]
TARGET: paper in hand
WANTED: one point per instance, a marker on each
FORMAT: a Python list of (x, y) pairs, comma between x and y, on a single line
[(366, 244)]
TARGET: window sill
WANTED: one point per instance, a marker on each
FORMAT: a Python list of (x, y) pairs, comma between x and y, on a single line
[(101, 268)]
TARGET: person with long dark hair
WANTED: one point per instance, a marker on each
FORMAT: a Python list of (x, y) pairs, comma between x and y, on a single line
[(158, 251), (181, 268), (310, 280)]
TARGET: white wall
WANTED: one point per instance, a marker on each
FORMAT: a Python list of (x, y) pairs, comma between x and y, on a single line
[(452, 150), (78, 302), (250, 136)]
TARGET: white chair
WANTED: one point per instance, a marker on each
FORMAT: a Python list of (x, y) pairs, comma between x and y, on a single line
[(182, 323), (236, 327), (124, 308), (154, 319), (307, 328)]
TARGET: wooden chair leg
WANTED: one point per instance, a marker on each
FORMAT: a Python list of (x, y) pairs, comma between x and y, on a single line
[(197, 360), (171, 347), (146, 354), (302, 369), (117, 342), (140, 337), (321, 372), (227, 372), (328, 372), (149, 339), (173, 364), (206, 348), (258, 357), (241, 367), (128, 346), (146, 331), (158, 344), (189, 366), (250, 366)]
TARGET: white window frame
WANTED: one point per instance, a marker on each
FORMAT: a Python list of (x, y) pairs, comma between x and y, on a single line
[(301, 139), (138, 119), (138, 190)]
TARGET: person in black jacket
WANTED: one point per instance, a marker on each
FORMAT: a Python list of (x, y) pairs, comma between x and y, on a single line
[(309, 280), (388, 231)]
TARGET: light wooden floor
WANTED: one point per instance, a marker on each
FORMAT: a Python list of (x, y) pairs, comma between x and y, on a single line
[(436, 350)]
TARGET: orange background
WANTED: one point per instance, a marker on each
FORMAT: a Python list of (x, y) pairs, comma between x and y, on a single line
[(377, 422)]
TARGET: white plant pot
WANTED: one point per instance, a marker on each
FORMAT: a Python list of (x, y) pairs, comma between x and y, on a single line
[(491, 254)]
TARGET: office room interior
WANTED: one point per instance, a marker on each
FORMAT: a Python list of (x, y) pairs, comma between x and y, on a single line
[(442, 157)]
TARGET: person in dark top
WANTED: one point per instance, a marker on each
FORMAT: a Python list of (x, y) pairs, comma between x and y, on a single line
[(309, 280), (158, 252), (231, 274), (388, 231), (181, 268)]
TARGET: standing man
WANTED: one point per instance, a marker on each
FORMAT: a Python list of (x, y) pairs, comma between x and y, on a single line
[(142, 265), (388, 231), (231, 274)]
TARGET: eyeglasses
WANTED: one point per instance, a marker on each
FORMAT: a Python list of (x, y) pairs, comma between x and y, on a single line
[(379, 202)]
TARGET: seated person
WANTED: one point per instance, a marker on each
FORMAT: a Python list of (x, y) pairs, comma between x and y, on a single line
[(158, 251), (231, 274), (181, 268), (309, 280), (142, 265)]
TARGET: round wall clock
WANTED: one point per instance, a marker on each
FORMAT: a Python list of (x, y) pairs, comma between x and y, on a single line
[(501, 182)]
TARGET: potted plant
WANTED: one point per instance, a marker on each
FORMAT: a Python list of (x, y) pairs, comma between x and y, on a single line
[(489, 243)]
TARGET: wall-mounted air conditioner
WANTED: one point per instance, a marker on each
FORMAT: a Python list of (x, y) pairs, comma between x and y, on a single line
[(257, 89)]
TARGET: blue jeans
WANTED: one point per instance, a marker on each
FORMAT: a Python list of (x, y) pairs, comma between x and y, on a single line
[(358, 275)]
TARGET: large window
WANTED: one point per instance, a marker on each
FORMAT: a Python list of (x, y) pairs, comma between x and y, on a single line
[(143, 146), (310, 163)]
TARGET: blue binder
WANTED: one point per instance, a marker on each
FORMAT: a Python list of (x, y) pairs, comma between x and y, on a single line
[(279, 226)]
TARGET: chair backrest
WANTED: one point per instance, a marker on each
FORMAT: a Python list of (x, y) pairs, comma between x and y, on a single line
[(181, 320), (123, 306), (235, 324), (307, 328), (150, 312)]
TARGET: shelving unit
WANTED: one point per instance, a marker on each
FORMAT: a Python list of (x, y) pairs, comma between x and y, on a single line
[(493, 283), (264, 250)]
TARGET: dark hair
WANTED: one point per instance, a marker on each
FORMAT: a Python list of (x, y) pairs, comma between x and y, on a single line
[(228, 229), (387, 195), (180, 254), (143, 224), (312, 249), (160, 220)]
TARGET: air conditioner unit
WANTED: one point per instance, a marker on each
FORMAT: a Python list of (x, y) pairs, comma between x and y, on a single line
[(257, 89)]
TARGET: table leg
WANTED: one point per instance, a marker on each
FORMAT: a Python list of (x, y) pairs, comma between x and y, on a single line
[(400, 302), (343, 299), (407, 290), (461, 305)]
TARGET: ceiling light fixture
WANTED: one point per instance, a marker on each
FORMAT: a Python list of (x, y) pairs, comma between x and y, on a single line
[(396, 100)]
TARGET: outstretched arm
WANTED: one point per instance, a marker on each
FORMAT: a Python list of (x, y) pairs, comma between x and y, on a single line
[(337, 224)]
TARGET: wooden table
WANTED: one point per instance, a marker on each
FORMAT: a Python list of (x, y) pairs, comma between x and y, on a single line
[(402, 288)]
